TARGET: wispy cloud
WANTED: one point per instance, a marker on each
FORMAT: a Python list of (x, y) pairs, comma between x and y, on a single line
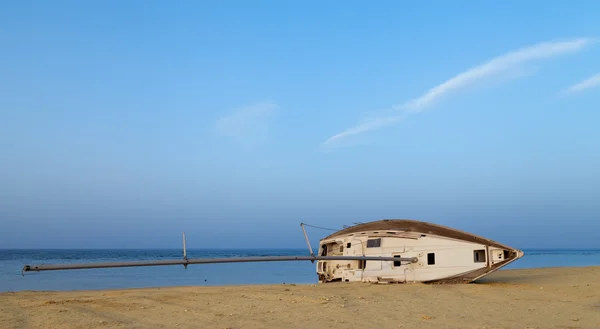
[(247, 125), (501, 64), (591, 82)]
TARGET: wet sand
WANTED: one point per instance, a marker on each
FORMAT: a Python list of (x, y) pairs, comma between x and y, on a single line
[(566, 298)]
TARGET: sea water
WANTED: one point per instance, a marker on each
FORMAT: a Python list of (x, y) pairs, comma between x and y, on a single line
[(301, 272)]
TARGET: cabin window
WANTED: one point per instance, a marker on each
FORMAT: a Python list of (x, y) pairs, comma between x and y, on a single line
[(479, 256), (341, 248), (430, 258), (397, 263), (348, 245), (374, 243), (324, 251)]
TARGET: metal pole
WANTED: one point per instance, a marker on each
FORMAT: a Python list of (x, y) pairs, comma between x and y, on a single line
[(49, 267), (184, 251), (307, 241), (184, 247)]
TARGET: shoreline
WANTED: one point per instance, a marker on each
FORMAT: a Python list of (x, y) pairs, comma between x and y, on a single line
[(553, 297), (246, 285)]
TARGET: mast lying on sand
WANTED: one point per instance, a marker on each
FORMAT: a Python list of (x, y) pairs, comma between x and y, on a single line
[(187, 261)]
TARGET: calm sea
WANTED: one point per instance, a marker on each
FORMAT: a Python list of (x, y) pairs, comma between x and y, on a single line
[(12, 261)]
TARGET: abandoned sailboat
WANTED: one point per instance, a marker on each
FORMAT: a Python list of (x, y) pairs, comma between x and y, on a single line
[(400, 251), (443, 254)]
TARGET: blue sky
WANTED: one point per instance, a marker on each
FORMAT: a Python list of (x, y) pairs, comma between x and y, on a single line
[(124, 123)]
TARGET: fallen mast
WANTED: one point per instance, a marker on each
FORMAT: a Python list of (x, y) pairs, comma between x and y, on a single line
[(185, 262)]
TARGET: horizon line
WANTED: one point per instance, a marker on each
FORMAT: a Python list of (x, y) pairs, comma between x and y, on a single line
[(254, 248)]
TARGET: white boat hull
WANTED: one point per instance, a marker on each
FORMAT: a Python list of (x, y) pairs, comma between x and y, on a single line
[(444, 255)]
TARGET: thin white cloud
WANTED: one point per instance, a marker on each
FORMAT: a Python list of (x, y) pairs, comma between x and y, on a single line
[(591, 82), (367, 126), (501, 64), (248, 125)]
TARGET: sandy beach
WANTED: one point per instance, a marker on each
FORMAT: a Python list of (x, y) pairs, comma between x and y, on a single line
[(533, 298)]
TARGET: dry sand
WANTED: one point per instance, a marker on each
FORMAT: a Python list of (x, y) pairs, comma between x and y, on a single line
[(534, 298)]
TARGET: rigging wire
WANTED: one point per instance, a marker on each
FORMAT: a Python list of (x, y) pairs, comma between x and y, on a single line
[(319, 227)]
